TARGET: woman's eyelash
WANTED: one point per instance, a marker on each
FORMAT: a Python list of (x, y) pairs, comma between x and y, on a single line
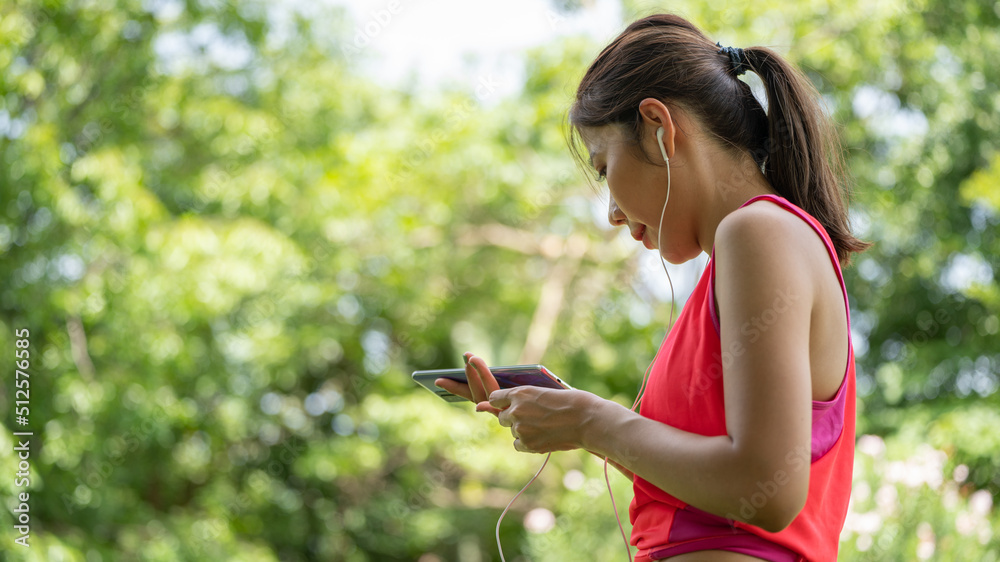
[(602, 175)]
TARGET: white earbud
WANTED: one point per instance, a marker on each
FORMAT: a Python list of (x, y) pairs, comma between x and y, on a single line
[(659, 141)]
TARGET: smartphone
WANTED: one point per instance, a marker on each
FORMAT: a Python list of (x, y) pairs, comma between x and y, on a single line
[(507, 377)]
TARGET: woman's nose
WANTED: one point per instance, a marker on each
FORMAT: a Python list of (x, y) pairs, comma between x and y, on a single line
[(615, 215)]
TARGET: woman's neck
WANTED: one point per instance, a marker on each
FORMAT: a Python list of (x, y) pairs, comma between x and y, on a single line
[(727, 184)]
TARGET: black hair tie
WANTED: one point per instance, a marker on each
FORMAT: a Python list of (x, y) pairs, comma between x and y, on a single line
[(736, 58)]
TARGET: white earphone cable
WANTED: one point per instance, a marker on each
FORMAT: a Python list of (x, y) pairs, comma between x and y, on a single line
[(663, 262), (499, 546), (614, 506), (645, 376)]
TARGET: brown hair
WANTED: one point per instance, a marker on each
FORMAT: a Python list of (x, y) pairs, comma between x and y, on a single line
[(666, 57)]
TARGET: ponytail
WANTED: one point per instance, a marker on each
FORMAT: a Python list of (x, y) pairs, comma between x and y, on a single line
[(666, 57), (802, 161)]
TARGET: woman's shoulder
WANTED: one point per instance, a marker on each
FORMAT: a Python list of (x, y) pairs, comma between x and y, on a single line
[(767, 226), (764, 245)]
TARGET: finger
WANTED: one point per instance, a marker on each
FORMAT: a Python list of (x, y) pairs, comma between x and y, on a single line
[(490, 383), (455, 387), (485, 407), (476, 385)]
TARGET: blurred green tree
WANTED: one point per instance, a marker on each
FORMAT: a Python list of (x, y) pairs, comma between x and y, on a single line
[(231, 249)]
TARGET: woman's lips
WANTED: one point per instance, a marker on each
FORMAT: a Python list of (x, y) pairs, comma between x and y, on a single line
[(639, 233), (640, 236)]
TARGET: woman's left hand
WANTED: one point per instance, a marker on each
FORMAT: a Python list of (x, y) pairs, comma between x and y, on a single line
[(544, 419)]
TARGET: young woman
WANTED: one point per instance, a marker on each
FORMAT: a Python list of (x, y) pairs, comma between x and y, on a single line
[(744, 443)]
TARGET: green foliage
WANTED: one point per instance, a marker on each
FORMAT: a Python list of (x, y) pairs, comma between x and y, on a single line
[(231, 249)]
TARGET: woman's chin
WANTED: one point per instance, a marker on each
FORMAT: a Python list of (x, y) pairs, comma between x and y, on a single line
[(676, 259)]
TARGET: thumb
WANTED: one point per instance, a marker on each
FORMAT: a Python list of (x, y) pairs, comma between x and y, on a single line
[(500, 399)]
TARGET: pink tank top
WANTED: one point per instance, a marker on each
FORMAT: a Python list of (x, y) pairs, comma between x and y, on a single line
[(685, 391)]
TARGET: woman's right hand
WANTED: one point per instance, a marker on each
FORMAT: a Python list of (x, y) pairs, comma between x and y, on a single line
[(481, 384)]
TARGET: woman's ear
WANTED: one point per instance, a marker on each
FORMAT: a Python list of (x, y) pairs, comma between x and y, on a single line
[(655, 115)]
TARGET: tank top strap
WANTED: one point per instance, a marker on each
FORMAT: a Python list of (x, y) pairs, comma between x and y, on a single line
[(818, 228)]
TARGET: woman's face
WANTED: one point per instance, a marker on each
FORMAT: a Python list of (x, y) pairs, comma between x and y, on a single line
[(638, 190)]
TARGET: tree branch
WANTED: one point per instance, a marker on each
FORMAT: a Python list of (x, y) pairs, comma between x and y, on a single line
[(78, 347), (551, 301)]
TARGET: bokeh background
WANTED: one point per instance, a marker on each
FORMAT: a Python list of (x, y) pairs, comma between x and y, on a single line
[(234, 229)]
